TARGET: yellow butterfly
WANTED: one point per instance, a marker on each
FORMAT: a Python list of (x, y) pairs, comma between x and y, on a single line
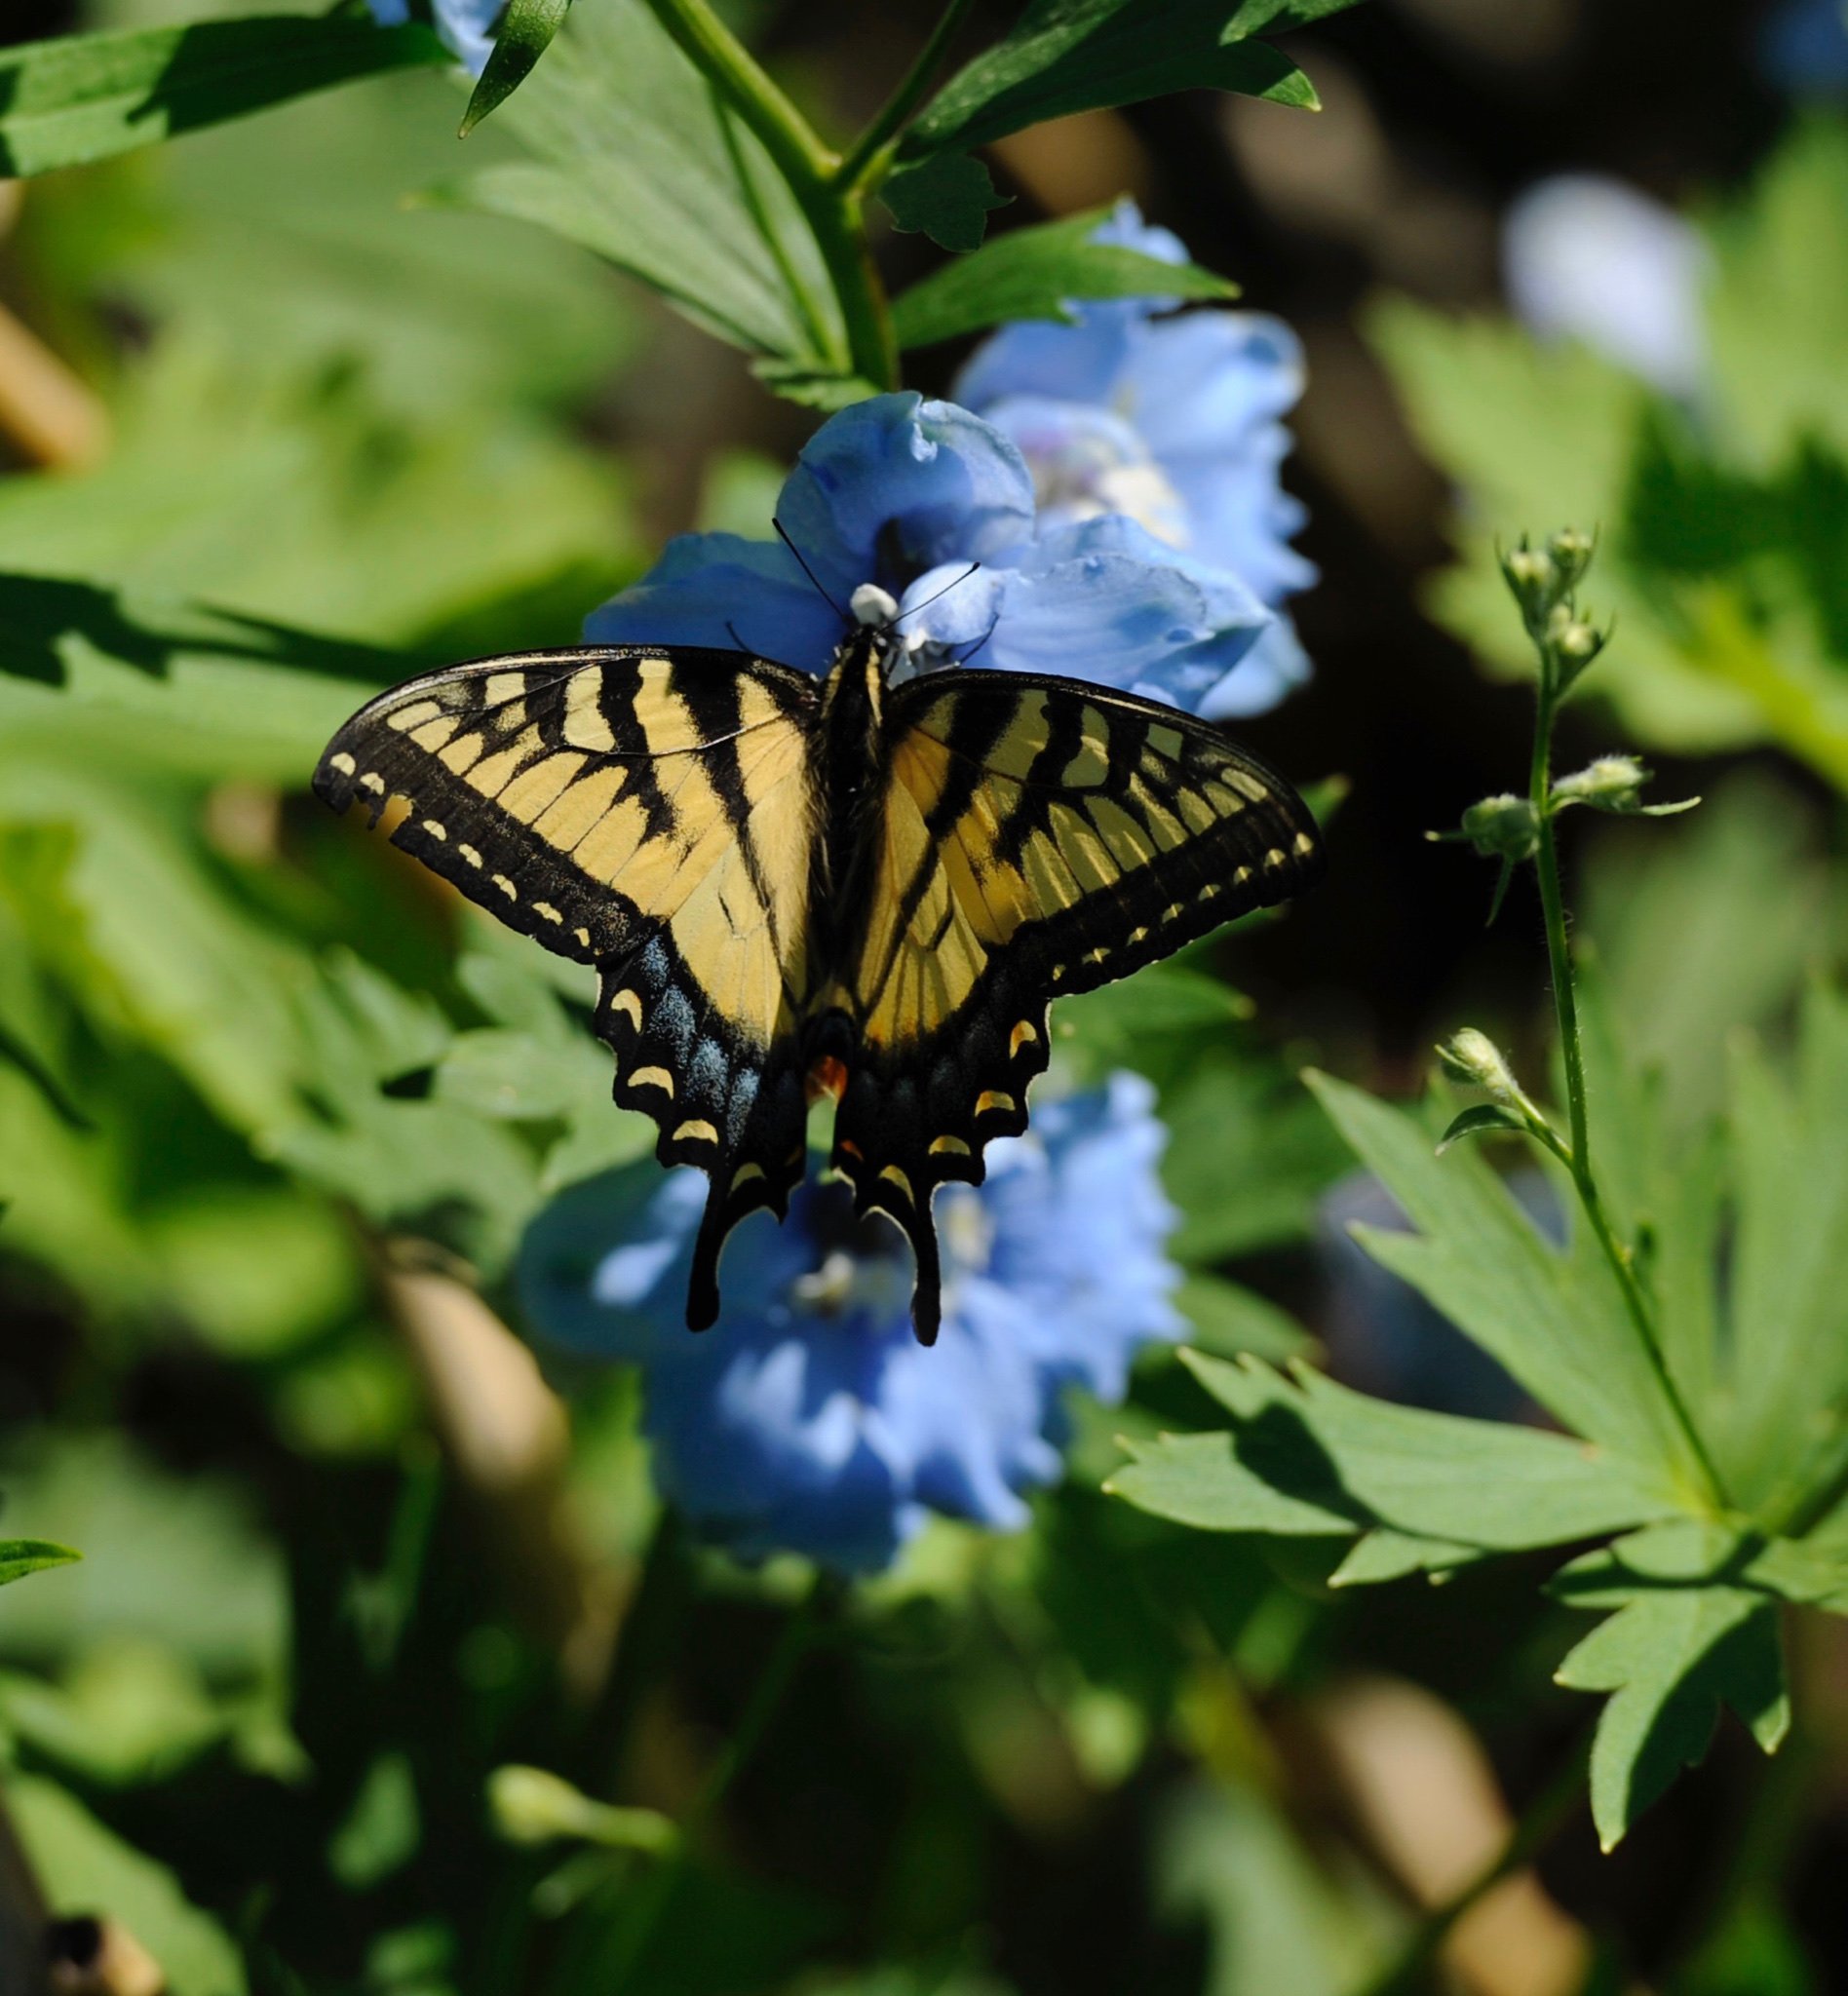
[(794, 886)]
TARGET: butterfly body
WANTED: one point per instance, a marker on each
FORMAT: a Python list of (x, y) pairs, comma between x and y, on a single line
[(849, 886)]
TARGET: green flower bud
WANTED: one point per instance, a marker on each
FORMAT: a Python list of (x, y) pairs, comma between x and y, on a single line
[(1504, 827), (530, 1806), (1571, 552), (1474, 1057), (1614, 784), (1579, 642), (1533, 579)]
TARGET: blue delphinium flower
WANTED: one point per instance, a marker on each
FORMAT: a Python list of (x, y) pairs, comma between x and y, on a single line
[(1590, 259), (809, 1419), (466, 26), (906, 494), (1172, 420)]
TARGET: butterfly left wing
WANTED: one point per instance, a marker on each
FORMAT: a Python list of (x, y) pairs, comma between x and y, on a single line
[(651, 812), (1040, 836)]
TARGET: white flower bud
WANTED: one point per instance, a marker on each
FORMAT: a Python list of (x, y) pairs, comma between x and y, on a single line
[(1613, 783)]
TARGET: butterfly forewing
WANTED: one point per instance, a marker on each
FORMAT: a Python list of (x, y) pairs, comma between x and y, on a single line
[(653, 813), (1039, 836)]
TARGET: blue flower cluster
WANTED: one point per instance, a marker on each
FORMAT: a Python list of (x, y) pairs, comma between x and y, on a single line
[(1116, 481), (1173, 421), (466, 26), (810, 1419)]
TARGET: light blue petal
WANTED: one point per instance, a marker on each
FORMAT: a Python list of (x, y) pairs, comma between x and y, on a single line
[(1206, 393), (1076, 364), (833, 1433), (897, 484), (466, 26), (1101, 600), (724, 590), (1272, 670)]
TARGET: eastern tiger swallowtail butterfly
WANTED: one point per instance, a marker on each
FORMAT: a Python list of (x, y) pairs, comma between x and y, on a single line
[(794, 886)]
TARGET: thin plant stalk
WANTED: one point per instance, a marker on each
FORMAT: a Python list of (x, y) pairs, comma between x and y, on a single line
[(1577, 1154), (812, 171), (868, 159)]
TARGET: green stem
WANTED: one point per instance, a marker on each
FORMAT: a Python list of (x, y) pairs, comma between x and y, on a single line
[(1537, 1825), (1579, 1160), (870, 158), (652, 1896), (831, 211)]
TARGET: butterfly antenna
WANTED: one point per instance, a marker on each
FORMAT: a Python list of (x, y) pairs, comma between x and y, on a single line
[(956, 583), (783, 536)]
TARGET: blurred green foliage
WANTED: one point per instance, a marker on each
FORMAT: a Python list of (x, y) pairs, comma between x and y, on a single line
[(1723, 524), (358, 427)]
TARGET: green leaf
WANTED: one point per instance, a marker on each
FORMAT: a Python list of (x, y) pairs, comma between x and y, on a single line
[(1277, 1917), (1787, 1383), (1707, 934), (1114, 1027), (1229, 1320), (1682, 1643), (812, 387), (1307, 1457), (20, 1557), (267, 694), (1066, 55), (948, 199), (1035, 273), (1486, 1118), (634, 157), (252, 491), (83, 1866), (526, 34), (1247, 1157), (1557, 1322), (86, 97), (1723, 569)]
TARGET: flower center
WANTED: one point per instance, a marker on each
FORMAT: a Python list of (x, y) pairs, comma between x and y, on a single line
[(1082, 470)]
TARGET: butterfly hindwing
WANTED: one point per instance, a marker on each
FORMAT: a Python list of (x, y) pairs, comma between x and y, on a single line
[(652, 812), (1040, 836)]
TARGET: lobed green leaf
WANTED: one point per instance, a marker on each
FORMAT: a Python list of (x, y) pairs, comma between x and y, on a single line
[(1035, 274), (1558, 1321), (1066, 55), (1307, 1457), (1688, 1637), (948, 198), (635, 158), (84, 98)]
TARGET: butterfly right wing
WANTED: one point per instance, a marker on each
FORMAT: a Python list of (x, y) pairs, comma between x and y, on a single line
[(653, 811), (1038, 837)]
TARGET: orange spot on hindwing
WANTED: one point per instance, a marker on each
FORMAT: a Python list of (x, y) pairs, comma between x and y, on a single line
[(828, 1076)]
